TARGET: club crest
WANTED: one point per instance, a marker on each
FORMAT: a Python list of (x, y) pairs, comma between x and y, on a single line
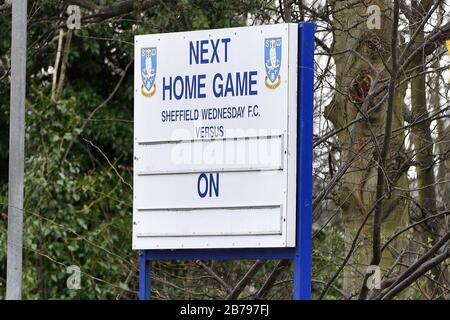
[(272, 62), (148, 71)]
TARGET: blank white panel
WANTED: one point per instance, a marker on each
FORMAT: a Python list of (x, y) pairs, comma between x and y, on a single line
[(209, 222), (240, 154)]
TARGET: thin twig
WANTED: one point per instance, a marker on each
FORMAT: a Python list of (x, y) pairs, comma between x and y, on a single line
[(218, 278), (234, 294), (109, 162), (101, 105)]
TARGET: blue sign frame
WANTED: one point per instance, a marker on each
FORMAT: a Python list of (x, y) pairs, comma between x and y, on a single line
[(302, 253)]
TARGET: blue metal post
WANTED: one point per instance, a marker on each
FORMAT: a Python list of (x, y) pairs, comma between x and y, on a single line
[(305, 101), (144, 276)]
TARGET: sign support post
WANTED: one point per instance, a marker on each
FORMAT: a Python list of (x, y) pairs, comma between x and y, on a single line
[(305, 107), (302, 252), (16, 150), (144, 277)]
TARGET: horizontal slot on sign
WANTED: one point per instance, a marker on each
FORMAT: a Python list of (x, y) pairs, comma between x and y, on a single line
[(236, 207), (192, 222), (236, 137), (220, 155), (187, 171)]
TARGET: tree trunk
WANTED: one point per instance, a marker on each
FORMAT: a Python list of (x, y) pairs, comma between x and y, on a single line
[(443, 174), (356, 73), (423, 144)]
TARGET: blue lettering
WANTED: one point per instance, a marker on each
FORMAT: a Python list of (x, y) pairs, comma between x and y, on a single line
[(190, 88), (193, 52), (217, 94), (229, 85), (201, 86), (202, 194), (199, 52), (212, 186), (253, 92), (214, 46), (237, 84), (203, 51), (225, 41), (179, 80), (187, 87), (167, 87), (241, 84)]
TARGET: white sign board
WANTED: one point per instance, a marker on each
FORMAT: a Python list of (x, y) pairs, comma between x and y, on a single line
[(215, 138)]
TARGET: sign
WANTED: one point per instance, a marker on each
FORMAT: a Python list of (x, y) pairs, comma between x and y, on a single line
[(215, 138)]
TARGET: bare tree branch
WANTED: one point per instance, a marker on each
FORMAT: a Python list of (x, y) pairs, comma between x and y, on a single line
[(268, 284), (101, 13), (234, 294), (418, 263), (426, 266), (91, 115), (218, 278)]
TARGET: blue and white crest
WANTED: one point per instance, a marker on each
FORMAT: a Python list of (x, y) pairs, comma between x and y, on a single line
[(272, 61), (148, 71)]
